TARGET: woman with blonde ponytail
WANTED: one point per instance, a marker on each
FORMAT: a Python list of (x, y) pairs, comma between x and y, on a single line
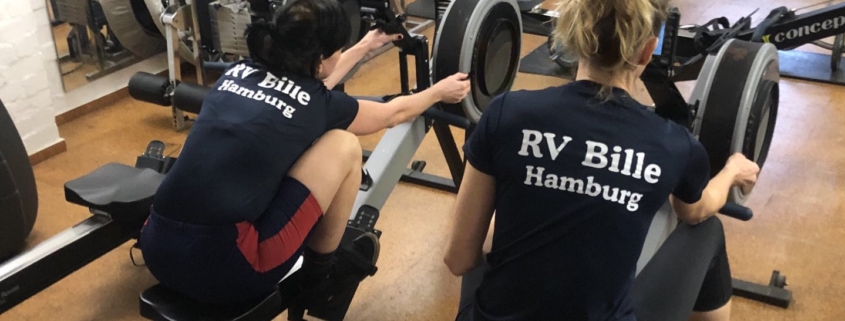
[(575, 175)]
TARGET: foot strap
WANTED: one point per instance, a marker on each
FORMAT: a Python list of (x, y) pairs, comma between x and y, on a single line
[(362, 264)]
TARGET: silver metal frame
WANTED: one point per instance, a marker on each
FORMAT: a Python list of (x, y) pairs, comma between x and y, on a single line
[(45, 248), (664, 222), (388, 162), (173, 19), (34, 270)]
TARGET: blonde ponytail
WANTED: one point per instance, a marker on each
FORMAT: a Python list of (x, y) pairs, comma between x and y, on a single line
[(609, 34)]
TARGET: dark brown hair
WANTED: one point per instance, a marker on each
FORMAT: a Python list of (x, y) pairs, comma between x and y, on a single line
[(299, 36)]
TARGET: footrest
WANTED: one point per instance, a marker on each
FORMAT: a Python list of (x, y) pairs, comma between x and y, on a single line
[(124, 192), (160, 303)]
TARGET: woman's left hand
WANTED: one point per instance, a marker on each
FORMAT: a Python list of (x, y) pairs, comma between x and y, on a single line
[(376, 39)]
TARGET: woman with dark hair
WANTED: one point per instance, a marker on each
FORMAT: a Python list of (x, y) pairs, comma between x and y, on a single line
[(272, 166), (575, 175)]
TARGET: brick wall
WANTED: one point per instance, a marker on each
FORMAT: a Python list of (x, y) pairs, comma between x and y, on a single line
[(27, 56), (30, 80)]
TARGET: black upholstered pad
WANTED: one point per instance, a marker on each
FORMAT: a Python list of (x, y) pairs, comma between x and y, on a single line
[(115, 188), (163, 304)]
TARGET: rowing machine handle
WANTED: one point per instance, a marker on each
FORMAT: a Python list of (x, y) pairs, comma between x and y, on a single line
[(773, 18), (451, 119), (380, 13), (737, 211)]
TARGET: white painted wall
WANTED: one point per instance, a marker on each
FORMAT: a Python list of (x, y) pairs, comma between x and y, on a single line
[(24, 81), (30, 80)]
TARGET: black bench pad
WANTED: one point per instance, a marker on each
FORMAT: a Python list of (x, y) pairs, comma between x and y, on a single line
[(160, 303), (124, 192)]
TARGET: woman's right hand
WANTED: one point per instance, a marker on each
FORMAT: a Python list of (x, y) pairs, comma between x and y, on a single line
[(746, 171), (453, 89)]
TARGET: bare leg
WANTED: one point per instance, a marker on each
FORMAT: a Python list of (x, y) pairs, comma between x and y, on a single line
[(331, 169), (720, 314)]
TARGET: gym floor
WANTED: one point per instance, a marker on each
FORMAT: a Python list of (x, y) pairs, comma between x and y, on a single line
[(798, 228)]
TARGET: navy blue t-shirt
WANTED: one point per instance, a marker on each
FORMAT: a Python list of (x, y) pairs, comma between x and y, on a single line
[(578, 181), (253, 127)]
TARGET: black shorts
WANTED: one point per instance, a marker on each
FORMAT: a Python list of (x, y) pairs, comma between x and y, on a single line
[(690, 272), (232, 263)]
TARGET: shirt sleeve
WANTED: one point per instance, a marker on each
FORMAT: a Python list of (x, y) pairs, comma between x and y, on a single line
[(341, 110), (478, 149), (696, 175)]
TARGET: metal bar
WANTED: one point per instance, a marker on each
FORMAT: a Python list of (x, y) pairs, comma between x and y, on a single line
[(388, 162), (420, 178), (450, 151), (767, 294), (419, 27), (804, 28), (197, 43), (428, 180), (172, 18), (367, 58), (449, 118), (33, 271), (421, 63), (403, 72)]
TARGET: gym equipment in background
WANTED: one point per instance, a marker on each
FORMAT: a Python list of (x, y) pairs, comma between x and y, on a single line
[(210, 36), (118, 196), (786, 29), (132, 24), (121, 30)]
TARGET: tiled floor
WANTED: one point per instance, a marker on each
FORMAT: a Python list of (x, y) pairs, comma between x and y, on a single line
[(798, 229)]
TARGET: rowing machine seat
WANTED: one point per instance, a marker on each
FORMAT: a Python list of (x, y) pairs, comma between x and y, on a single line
[(124, 192), (160, 303)]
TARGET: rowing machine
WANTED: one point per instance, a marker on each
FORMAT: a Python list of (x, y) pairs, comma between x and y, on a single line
[(118, 196)]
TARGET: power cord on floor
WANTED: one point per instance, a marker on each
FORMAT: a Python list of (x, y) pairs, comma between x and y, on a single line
[(132, 255)]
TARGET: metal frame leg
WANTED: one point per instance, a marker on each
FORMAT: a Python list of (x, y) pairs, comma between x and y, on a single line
[(173, 20)]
